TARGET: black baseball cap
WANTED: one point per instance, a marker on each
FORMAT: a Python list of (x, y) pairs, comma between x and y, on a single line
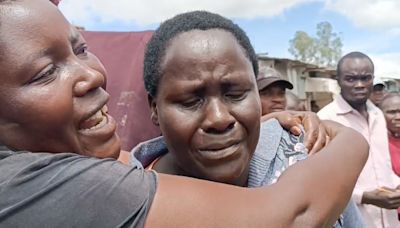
[(268, 76)]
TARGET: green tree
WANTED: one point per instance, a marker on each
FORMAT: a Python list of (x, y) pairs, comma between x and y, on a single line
[(302, 47), (323, 50)]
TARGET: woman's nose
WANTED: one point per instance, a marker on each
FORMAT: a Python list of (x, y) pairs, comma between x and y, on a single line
[(87, 79)]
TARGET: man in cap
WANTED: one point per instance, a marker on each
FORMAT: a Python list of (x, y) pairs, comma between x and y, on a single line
[(272, 88), (378, 91)]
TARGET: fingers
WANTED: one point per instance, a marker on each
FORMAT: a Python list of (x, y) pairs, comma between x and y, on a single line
[(290, 123), (395, 196), (320, 141), (296, 130), (390, 197), (310, 138), (313, 134), (327, 140), (289, 120), (393, 201), (387, 189)]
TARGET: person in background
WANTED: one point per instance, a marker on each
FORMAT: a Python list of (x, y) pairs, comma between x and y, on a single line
[(390, 107), (378, 91), (274, 95), (272, 87), (355, 73)]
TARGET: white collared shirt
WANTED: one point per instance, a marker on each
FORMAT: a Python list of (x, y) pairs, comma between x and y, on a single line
[(377, 172)]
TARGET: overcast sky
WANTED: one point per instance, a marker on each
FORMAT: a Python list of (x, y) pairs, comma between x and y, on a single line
[(370, 26)]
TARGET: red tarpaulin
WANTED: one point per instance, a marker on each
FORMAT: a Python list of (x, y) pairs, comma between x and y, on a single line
[(122, 55)]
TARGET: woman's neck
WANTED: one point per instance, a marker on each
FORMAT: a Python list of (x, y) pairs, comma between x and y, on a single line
[(168, 165), (124, 157)]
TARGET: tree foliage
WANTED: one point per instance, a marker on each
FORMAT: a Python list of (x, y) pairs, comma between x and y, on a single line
[(324, 49)]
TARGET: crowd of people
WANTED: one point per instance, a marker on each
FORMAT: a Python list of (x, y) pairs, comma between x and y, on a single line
[(364, 105), (229, 155), (376, 190)]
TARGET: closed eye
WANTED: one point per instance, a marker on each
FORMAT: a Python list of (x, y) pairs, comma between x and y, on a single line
[(45, 76), (192, 103), (236, 96)]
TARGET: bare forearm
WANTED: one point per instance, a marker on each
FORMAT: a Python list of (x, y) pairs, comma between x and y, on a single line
[(314, 193), (333, 172), (186, 202)]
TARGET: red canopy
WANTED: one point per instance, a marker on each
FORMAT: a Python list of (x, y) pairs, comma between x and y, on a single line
[(122, 55)]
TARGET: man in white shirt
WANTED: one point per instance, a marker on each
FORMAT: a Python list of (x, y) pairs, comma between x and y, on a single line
[(375, 191)]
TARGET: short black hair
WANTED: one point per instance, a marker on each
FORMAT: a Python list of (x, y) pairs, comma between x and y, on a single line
[(352, 55), (195, 20)]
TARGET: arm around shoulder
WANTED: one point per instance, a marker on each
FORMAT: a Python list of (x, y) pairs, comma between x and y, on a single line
[(314, 192), (332, 173)]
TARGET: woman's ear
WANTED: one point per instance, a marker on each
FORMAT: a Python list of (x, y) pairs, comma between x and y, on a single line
[(153, 109)]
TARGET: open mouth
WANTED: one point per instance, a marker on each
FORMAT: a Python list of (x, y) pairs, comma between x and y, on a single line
[(97, 120)]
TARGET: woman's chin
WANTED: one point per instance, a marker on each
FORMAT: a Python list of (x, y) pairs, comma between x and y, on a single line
[(109, 149)]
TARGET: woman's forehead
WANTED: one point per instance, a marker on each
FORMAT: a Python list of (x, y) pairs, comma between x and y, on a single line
[(31, 32), (30, 15), (203, 40), (201, 46), (31, 26), (391, 103)]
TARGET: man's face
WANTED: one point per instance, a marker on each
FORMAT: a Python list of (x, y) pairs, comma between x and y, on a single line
[(50, 85), (391, 109), (273, 98), (355, 79), (207, 105), (377, 94)]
